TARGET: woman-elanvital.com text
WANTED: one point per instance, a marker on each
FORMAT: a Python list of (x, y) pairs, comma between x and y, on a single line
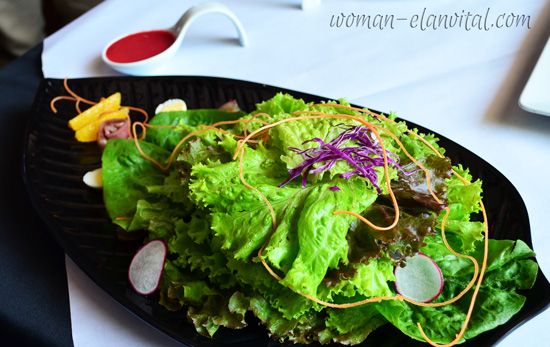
[(425, 20)]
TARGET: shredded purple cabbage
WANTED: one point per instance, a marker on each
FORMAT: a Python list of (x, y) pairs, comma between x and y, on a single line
[(334, 188), (363, 158)]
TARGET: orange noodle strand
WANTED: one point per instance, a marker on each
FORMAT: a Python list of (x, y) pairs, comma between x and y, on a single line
[(140, 110), (122, 218), (76, 96), (77, 106), (58, 98)]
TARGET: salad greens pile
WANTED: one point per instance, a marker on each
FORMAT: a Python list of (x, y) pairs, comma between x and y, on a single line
[(214, 227)]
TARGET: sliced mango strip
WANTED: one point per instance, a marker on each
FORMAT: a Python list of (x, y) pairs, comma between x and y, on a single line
[(89, 132), (112, 103)]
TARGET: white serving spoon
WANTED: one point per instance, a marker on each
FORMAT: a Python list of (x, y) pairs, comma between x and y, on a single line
[(178, 30)]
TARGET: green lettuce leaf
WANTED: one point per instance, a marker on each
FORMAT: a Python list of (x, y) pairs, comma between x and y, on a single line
[(209, 309), (299, 330), (351, 326), (126, 176)]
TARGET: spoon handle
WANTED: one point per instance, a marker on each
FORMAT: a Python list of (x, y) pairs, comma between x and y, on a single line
[(181, 27)]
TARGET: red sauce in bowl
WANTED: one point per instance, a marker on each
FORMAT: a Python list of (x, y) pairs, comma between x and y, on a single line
[(140, 46)]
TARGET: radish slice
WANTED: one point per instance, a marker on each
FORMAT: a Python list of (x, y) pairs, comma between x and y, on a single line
[(420, 280), (147, 266)]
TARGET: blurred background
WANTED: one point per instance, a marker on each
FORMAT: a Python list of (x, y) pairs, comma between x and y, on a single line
[(24, 23)]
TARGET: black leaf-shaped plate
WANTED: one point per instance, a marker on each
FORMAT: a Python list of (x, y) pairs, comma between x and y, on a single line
[(54, 164)]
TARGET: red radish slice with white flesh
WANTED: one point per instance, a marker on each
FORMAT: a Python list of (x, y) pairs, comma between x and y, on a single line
[(147, 266), (420, 279)]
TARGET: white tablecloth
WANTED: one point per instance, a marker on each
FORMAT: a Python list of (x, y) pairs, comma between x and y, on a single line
[(462, 84)]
